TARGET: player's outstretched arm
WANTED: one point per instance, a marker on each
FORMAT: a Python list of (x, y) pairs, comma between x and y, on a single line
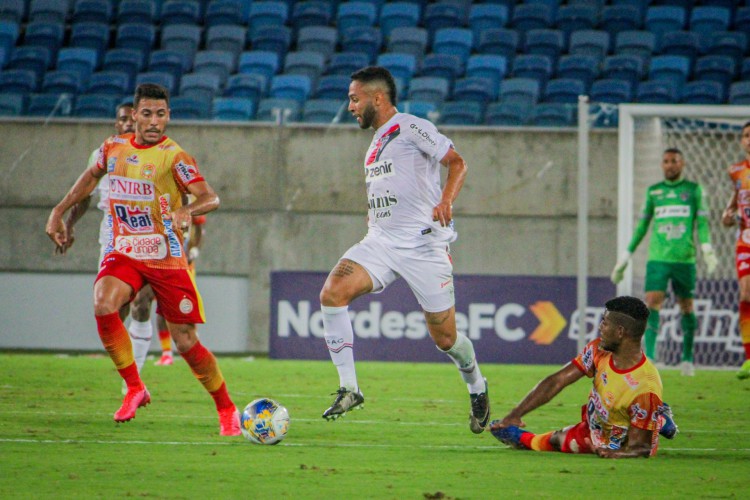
[(639, 445), (82, 188), (457, 168)]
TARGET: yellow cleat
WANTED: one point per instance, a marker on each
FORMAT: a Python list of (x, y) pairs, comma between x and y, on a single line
[(744, 370)]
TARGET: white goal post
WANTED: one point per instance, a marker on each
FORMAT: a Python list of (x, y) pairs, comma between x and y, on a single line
[(708, 136)]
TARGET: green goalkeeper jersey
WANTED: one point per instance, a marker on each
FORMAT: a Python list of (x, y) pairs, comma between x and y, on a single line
[(676, 208)]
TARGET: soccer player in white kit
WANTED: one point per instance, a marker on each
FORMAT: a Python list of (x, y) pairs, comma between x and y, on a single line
[(410, 227)]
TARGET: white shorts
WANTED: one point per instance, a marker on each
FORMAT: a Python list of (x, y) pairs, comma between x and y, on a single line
[(427, 269)]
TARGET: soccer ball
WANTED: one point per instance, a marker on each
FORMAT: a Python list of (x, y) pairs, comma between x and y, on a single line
[(264, 421)]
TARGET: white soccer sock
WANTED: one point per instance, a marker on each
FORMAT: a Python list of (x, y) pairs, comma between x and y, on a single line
[(462, 354), (140, 336), (339, 337)]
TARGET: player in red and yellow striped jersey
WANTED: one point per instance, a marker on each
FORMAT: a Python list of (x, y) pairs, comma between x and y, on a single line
[(148, 174), (625, 410)]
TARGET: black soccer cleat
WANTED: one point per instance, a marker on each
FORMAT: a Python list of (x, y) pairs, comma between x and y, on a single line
[(480, 410), (345, 400)]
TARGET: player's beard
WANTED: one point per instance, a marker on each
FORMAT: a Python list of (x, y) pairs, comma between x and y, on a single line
[(368, 116), (612, 347)]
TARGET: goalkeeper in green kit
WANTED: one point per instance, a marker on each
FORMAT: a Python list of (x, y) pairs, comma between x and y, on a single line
[(677, 206)]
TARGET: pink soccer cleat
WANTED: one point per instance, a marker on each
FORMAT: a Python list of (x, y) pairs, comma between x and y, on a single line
[(134, 399), (165, 360), (229, 422)]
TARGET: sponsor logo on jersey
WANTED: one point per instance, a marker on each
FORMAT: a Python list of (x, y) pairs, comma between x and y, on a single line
[(132, 159), (633, 383), (609, 399), (587, 358), (186, 172), (638, 413), (119, 140), (422, 134), (379, 170), (125, 188), (135, 219), (603, 376), (378, 202), (616, 437), (743, 266), (672, 231), (595, 406), (672, 211), (175, 249), (736, 168), (745, 236), (743, 256), (657, 192), (142, 247), (111, 162), (166, 147), (671, 194), (743, 196), (147, 170)]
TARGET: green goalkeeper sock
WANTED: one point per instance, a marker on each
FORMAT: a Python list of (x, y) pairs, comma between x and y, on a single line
[(652, 330), (688, 324)]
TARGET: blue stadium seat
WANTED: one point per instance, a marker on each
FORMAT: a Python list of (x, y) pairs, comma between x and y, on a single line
[(180, 12), (742, 19), (675, 69), (409, 41), (320, 39), (572, 18), (617, 18), (187, 107), (95, 106), (276, 39), (246, 86), (552, 5), (703, 92), (310, 64), (638, 42), (54, 11), (333, 87), (499, 41), (139, 37), (356, 13), (489, 66), (706, 19), (267, 13), (32, 58), (259, 62), (90, 11), (745, 69), (550, 114), (520, 90), (721, 69), (324, 110), (79, 59), (739, 92), (183, 38), (400, 65), (446, 66), (583, 68), (727, 43), (483, 16), (611, 91), (228, 38), (422, 109), (398, 15), (589, 42), (18, 81), (453, 41), (62, 82), (90, 35), (12, 11), (233, 109), (680, 43), (137, 11), (158, 77), (217, 62), (4, 57), (662, 19), (527, 17), (9, 32), (563, 90), (533, 66), (511, 114), (297, 87), (50, 105), (129, 61), (13, 104), (460, 113), (278, 110), (170, 61), (657, 92), (363, 39), (641, 5), (548, 43), (443, 15), (223, 13), (428, 88), (624, 67), (110, 82), (48, 35), (476, 89), (310, 13), (346, 63), (200, 86)]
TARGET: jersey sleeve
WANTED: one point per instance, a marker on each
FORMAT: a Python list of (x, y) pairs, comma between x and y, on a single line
[(586, 359), (427, 139), (647, 213), (185, 170), (704, 233), (101, 157), (644, 411)]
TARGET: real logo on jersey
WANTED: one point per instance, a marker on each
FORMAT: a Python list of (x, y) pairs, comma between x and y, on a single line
[(379, 170), (186, 171), (132, 159), (145, 247), (125, 188), (135, 219), (672, 211)]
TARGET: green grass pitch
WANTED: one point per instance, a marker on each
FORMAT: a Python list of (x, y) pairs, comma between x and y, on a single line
[(412, 440)]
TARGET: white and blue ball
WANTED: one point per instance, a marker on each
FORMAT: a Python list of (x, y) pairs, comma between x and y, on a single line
[(264, 421)]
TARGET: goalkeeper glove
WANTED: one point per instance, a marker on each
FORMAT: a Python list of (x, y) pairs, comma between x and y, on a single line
[(619, 271), (709, 257)]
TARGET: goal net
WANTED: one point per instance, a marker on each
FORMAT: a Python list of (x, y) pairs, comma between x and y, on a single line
[(708, 137)]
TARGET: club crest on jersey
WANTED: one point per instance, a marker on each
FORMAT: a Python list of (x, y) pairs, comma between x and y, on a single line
[(132, 159), (125, 188), (379, 170), (186, 171), (135, 219), (147, 170)]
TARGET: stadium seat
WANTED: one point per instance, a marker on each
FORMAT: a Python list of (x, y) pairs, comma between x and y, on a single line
[(363, 39), (721, 69), (346, 63), (310, 13), (706, 19), (499, 41), (50, 105), (139, 36), (4, 57), (43, 34), (511, 114), (95, 106), (453, 41), (200, 86), (398, 15), (476, 89), (320, 39), (251, 87), (662, 19), (443, 15), (99, 11), (32, 58), (617, 18), (489, 66), (12, 11), (267, 13), (162, 78), (422, 109), (703, 92), (460, 113), (623, 67), (641, 5), (409, 41), (13, 104), (428, 88), (727, 43), (169, 61), (296, 87), (483, 16), (276, 39), (584, 68), (180, 12), (223, 13), (400, 65), (548, 43), (9, 32), (446, 66), (553, 115), (589, 42), (572, 18), (62, 82), (657, 92), (259, 62), (533, 66), (527, 17), (519, 90), (324, 110), (185, 38), (741, 19), (311, 64), (137, 11), (79, 59), (611, 91), (129, 61), (673, 68), (739, 92), (233, 109), (278, 110), (563, 90), (18, 81), (680, 43), (110, 82), (227, 38), (217, 62), (745, 69), (333, 87), (91, 35), (355, 13), (48, 11), (188, 107), (640, 43)]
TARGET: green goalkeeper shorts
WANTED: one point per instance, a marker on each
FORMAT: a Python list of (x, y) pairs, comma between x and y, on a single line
[(682, 276)]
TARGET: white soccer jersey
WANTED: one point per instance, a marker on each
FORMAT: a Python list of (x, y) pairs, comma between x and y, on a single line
[(402, 172), (102, 190)]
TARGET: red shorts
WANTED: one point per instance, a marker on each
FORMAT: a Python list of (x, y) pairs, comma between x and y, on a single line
[(175, 289), (575, 439), (742, 260)]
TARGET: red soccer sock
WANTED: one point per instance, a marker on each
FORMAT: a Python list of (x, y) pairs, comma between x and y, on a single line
[(747, 350), (206, 370), (537, 442), (745, 327), (166, 341), (116, 341)]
